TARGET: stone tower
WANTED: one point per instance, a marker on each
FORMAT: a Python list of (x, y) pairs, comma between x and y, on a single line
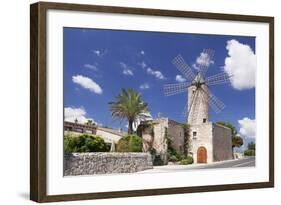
[(199, 107)]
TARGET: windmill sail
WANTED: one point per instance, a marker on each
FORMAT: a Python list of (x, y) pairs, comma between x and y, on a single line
[(172, 89), (208, 55), (219, 78), (200, 98), (214, 102), (181, 65)]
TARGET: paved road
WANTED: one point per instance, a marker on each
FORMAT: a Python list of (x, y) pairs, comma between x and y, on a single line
[(244, 162)]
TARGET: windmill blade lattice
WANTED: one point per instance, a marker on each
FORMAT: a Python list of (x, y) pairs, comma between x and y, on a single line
[(201, 93), (203, 68), (181, 65), (172, 89), (214, 102), (219, 78)]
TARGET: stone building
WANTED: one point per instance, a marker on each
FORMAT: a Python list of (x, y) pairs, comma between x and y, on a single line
[(110, 136), (156, 137), (207, 141)]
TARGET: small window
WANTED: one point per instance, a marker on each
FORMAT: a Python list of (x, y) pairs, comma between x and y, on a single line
[(204, 120), (194, 134), (193, 91)]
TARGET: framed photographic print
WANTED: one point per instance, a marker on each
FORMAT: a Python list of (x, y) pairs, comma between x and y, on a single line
[(135, 102)]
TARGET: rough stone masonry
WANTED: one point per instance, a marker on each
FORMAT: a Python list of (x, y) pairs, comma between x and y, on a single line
[(105, 163)]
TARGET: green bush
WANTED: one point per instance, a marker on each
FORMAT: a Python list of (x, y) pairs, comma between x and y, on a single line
[(129, 143), (249, 152), (85, 143), (187, 160), (175, 156)]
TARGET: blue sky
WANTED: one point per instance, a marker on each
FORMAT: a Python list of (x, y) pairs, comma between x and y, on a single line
[(98, 63)]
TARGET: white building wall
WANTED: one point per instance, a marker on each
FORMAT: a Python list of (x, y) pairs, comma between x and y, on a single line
[(108, 137), (203, 138), (199, 108)]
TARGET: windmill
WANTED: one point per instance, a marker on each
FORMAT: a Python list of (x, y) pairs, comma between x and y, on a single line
[(197, 86)]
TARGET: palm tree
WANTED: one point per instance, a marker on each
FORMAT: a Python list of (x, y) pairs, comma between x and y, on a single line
[(129, 106)]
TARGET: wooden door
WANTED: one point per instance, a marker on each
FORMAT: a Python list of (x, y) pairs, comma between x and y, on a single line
[(201, 155)]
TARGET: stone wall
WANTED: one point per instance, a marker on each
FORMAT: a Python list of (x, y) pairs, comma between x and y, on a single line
[(176, 134), (105, 163), (222, 142)]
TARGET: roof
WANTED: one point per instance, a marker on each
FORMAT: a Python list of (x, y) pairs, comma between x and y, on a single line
[(112, 131)]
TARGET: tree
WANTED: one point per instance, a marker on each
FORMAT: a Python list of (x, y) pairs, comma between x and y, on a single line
[(251, 146), (130, 143), (237, 141), (130, 106), (251, 149), (84, 143)]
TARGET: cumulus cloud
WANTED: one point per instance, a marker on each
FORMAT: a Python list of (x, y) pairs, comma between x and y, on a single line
[(180, 79), (126, 69), (87, 83), (144, 86), (241, 64), (72, 113), (155, 73), (247, 127), (204, 59), (99, 53), (142, 52), (142, 64), (91, 66)]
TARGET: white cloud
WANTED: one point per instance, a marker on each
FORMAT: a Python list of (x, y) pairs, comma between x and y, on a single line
[(99, 53), (142, 64), (126, 69), (128, 72), (142, 52), (180, 79), (247, 127), (91, 66), (72, 113), (195, 66), (204, 59), (241, 63), (87, 83), (156, 73), (144, 86)]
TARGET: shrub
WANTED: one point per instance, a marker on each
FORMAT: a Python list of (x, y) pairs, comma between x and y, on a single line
[(187, 160), (85, 143), (249, 152), (157, 161), (130, 143), (173, 158)]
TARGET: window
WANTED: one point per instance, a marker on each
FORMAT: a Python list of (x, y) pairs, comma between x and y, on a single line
[(204, 120), (194, 134)]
